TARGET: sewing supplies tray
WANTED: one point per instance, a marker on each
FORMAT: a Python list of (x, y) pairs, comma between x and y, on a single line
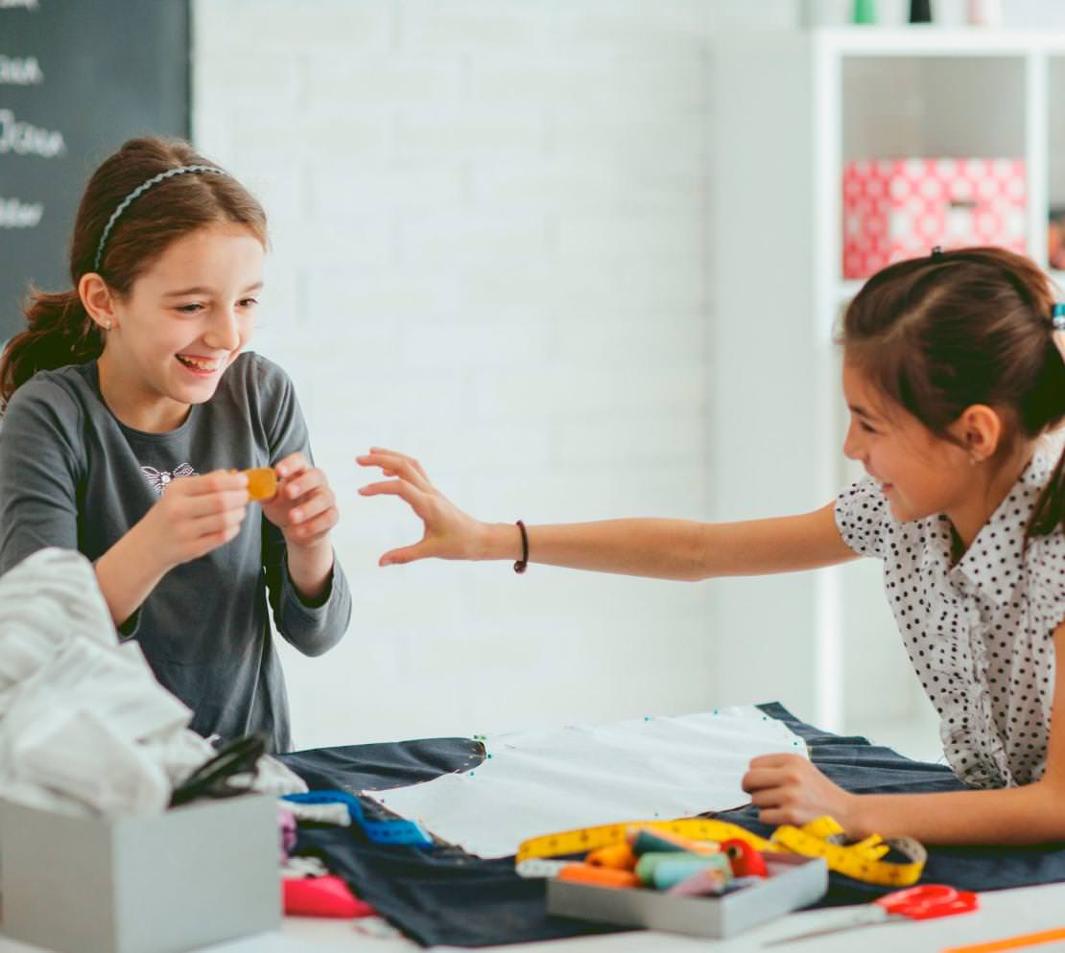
[(793, 882), (162, 883)]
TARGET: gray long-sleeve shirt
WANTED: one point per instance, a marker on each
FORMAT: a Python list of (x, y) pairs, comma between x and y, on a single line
[(73, 476)]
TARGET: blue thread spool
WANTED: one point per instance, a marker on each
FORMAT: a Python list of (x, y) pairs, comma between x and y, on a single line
[(665, 870), (668, 873)]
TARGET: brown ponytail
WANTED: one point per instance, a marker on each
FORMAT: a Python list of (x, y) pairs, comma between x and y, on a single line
[(938, 334), (59, 330)]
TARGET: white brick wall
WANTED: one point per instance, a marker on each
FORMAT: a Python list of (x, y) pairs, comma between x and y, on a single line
[(489, 222)]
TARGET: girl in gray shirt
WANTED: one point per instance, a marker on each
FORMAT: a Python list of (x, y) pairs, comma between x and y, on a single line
[(130, 408)]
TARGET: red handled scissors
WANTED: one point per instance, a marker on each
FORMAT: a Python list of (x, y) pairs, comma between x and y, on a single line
[(926, 902)]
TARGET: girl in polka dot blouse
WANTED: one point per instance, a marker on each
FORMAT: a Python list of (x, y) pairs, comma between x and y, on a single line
[(954, 380)]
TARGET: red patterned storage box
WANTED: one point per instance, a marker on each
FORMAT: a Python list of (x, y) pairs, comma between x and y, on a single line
[(901, 208)]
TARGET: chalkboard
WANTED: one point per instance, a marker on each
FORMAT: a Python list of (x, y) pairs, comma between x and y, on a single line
[(77, 78)]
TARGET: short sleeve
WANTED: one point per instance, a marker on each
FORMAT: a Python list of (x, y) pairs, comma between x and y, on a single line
[(1046, 579), (861, 517)]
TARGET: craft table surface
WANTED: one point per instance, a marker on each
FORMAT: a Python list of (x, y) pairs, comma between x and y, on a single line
[(1003, 913)]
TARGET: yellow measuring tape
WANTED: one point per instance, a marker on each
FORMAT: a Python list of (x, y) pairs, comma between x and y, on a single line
[(820, 838), (823, 837), (592, 838)]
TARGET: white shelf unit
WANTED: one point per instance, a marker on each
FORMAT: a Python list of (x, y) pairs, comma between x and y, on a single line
[(791, 108)]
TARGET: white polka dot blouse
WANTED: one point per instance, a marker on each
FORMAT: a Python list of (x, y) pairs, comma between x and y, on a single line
[(980, 633)]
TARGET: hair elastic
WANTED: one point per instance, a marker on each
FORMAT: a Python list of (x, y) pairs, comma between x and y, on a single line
[(139, 191), (522, 564)]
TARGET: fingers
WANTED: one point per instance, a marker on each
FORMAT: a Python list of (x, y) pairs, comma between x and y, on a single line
[(397, 464), (218, 511), (292, 465), (758, 779), (212, 504), (215, 502), (402, 456), (777, 760), (399, 488), (314, 516), (219, 481), (770, 797), (776, 816), (787, 789), (776, 800), (296, 490), (773, 771), (186, 536), (409, 554), (311, 505), (304, 507), (211, 539)]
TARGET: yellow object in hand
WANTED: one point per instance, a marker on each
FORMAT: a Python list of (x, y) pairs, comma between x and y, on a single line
[(262, 483)]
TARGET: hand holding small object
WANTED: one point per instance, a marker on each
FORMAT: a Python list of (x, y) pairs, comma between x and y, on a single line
[(304, 506), (194, 515)]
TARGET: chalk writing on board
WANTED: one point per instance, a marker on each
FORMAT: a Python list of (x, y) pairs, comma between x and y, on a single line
[(11, 4), (16, 214), (20, 72), (24, 139)]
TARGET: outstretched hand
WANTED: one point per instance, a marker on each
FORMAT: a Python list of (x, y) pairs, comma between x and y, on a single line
[(449, 532)]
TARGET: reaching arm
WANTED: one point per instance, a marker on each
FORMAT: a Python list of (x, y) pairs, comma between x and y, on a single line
[(660, 548), (677, 549), (790, 790)]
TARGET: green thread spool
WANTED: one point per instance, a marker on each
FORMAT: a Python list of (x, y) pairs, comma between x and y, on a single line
[(864, 11)]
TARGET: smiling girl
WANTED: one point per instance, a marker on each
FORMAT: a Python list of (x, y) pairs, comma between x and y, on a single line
[(130, 405), (953, 377)]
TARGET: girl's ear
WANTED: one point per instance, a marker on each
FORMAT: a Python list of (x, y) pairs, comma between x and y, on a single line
[(980, 429), (97, 300)]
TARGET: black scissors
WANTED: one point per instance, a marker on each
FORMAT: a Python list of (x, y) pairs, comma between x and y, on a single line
[(231, 771)]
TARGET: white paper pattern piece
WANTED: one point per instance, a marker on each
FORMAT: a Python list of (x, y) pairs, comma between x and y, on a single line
[(539, 782)]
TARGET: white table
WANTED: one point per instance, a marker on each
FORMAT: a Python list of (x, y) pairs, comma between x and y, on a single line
[(1002, 913)]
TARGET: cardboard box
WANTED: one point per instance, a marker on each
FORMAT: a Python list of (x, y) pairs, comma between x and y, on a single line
[(901, 208), (194, 875), (794, 882)]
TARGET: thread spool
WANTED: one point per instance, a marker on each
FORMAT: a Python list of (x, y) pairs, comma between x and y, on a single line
[(598, 876), (920, 11)]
